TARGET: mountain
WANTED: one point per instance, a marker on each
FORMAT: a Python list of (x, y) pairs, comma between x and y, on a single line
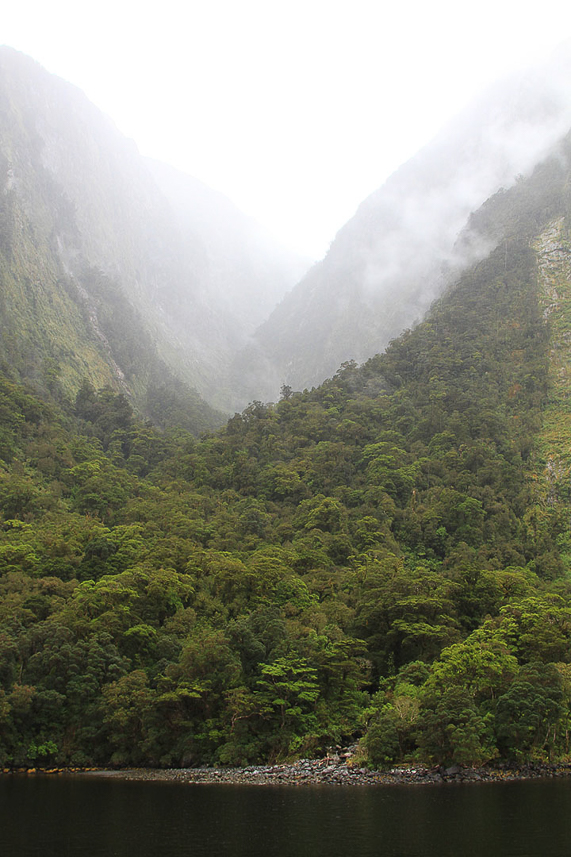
[(384, 559), (399, 252), (115, 269)]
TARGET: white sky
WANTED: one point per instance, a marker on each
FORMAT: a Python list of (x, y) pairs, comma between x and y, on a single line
[(295, 109)]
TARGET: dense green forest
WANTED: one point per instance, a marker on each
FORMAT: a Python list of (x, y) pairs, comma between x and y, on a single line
[(386, 557)]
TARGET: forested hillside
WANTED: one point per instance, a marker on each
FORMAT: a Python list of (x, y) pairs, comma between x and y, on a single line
[(385, 557)]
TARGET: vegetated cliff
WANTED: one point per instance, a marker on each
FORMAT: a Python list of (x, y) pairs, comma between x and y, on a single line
[(399, 252), (99, 267)]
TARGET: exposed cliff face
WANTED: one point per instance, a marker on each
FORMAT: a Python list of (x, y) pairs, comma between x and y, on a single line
[(400, 251), (185, 272), (553, 252)]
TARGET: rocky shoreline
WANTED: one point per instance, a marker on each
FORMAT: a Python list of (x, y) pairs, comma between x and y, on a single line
[(334, 772)]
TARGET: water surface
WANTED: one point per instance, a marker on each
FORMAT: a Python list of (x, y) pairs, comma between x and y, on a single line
[(79, 816)]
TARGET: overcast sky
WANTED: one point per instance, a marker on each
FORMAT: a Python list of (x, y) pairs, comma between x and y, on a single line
[(296, 110)]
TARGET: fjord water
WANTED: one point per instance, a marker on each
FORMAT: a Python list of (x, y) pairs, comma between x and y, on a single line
[(77, 816)]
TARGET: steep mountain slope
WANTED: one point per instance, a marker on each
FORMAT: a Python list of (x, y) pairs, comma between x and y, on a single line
[(387, 265), (99, 262)]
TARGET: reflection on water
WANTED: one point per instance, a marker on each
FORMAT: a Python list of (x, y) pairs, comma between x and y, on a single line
[(77, 816)]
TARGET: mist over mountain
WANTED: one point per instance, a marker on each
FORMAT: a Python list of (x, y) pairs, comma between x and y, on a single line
[(121, 271), (400, 250), (248, 271), (382, 562)]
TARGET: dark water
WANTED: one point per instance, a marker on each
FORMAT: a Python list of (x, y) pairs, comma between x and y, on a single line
[(91, 817)]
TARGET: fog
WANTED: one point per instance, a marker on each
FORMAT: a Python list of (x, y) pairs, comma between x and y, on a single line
[(205, 266), (417, 217), (401, 249), (296, 111)]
